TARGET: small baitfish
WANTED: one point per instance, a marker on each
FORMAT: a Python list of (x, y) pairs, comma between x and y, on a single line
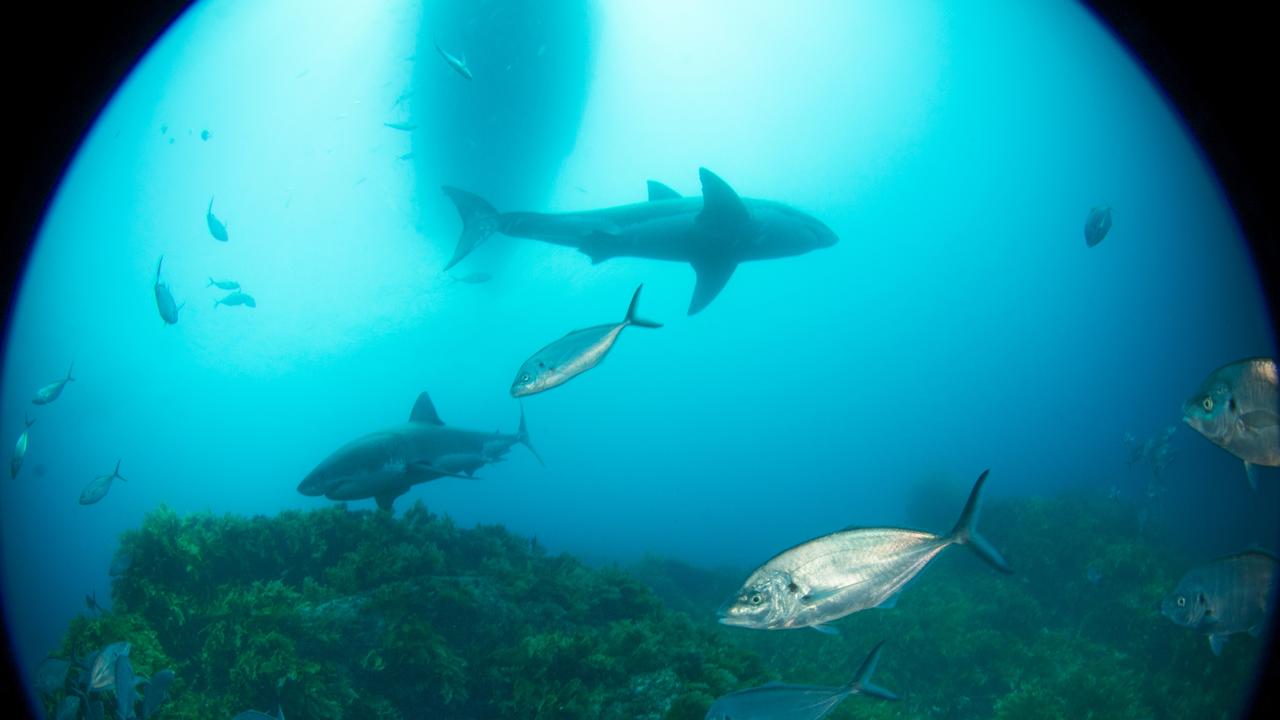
[(1097, 225), (50, 392), (1226, 596), (459, 64), (574, 354), (779, 701), (1238, 409), (217, 228), (99, 486), (237, 298), (829, 577), (20, 449), (223, 284), (164, 299)]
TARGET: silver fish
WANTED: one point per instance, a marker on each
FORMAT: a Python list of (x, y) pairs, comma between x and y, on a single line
[(126, 693), (1097, 225), (50, 392), (573, 354), (1238, 409), (51, 676), (20, 449), (98, 487), (237, 298), (1226, 596), (778, 701), (164, 299), (829, 577), (223, 284), (217, 228), (102, 669), (157, 691), (458, 64)]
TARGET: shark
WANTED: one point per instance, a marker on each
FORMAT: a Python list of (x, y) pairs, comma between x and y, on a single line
[(713, 233), (383, 465)]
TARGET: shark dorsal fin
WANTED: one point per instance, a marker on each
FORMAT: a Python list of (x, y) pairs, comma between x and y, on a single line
[(721, 206), (659, 191), (424, 411)]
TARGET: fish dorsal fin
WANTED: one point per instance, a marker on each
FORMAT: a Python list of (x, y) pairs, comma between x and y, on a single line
[(424, 411), (659, 191), (721, 206)]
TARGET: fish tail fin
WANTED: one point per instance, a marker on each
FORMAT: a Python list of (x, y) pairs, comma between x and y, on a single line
[(966, 530), (862, 680), (632, 318), (69, 369), (116, 472), (522, 437), (479, 221), (28, 420), (210, 210), (210, 281), (158, 265), (1248, 473)]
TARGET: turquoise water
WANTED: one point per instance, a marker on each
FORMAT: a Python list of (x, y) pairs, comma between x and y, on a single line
[(960, 322)]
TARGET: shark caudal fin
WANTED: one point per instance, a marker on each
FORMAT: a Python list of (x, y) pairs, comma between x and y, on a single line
[(634, 319), (69, 369), (522, 437), (158, 266), (479, 221), (966, 530), (862, 680)]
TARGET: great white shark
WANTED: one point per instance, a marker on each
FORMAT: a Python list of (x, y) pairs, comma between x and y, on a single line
[(713, 233), (383, 465)]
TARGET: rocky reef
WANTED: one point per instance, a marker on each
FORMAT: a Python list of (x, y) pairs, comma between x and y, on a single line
[(341, 614)]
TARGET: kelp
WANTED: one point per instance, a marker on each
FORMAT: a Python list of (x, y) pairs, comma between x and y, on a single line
[(339, 614)]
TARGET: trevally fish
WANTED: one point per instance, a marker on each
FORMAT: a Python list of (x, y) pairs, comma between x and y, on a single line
[(829, 577), (574, 354), (458, 64), (126, 692), (383, 465), (217, 228), (224, 284), (164, 299), (1097, 225), (102, 668), (50, 392), (98, 487), (237, 298), (779, 701), (51, 675), (713, 233), (157, 691), (20, 449), (1226, 596), (1238, 409)]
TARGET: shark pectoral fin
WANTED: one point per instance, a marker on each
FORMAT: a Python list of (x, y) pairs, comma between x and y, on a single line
[(712, 277), (721, 206), (421, 467), (386, 501), (659, 191), (599, 245), (424, 411)]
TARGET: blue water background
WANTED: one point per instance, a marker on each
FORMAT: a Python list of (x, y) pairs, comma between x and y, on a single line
[(960, 323)]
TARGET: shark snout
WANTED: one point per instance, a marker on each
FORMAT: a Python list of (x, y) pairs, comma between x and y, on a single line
[(312, 485)]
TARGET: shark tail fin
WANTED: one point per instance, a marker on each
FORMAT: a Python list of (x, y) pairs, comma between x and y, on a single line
[(862, 680), (210, 282), (479, 221), (158, 266), (966, 530), (522, 437), (69, 369), (634, 319)]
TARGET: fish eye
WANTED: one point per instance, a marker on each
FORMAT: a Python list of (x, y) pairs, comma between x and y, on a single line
[(524, 378), (1207, 404), (1182, 601), (755, 599)]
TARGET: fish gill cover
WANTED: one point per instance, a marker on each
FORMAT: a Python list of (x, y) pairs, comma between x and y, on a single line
[(359, 614)]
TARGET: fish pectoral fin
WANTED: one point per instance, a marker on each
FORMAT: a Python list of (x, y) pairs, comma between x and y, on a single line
[(386, 501), (1260, 419), (423, 467), (1216, 641), (825, 629), (890, 602), (1248, 473), (712, 277)]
